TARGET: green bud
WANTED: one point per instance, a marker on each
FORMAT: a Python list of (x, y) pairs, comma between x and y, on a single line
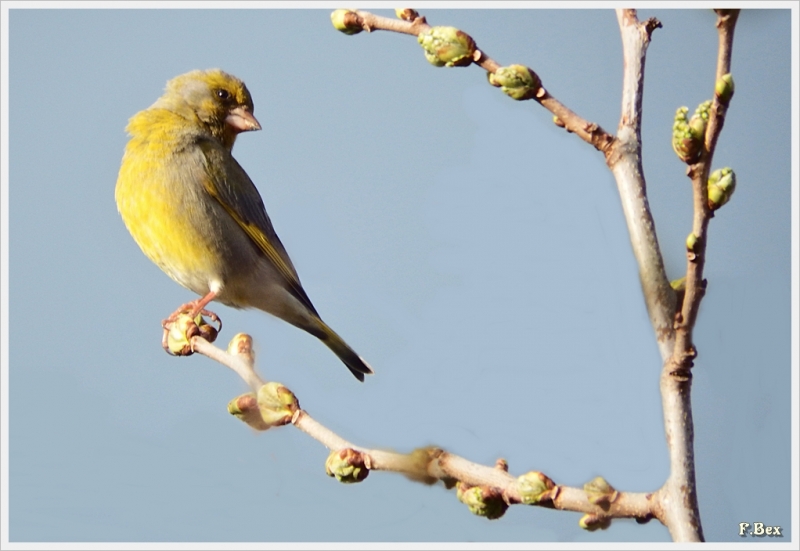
[(593, 522), (697, 126), (684, 146), (703, 110), (206, 330), (684, 142), (481, 500), (516, 81), (721, 185), (347, 465), (699, 120), (346, 21), (277, 404), (447, 46), (688, 135), (724, 89), (677, 285), (183, 329), (180, 334), (406, 14), (534, 487), (600, 492), (692, 244), (691, 241), (242, 345), (245, 408)]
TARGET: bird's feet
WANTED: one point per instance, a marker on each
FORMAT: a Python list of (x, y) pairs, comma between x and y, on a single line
[(186, 322)]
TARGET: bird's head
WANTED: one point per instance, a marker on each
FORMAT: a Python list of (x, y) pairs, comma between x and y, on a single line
[(214, 99)]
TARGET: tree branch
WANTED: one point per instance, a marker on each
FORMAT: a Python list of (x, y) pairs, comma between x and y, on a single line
[(625, 162), (679, 508), (699, 173), (597, 500), (355, 21)]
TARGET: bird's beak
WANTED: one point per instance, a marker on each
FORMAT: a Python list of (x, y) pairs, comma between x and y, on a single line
[(241, 120)]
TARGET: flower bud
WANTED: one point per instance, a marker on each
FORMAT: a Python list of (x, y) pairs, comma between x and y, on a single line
[(721, 185), (277, 404), (691, 242), (346, 465), (534, 487), (600, 492), (677, 285), (481, 500), (688, 135), (516, 81), (181, 331), (242, 345), (724, 89), (684, 143), (346, 21), (406, 14), (447, 46), (205, 329), (594, 522), (245, 408)]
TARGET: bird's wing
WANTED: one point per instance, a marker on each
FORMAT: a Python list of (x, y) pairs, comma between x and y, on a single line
[(227, 182)]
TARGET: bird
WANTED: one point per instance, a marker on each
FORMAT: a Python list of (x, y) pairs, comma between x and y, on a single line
[(194, 211)]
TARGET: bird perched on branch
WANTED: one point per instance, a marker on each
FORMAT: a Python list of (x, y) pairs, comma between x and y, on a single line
[(193, 210)]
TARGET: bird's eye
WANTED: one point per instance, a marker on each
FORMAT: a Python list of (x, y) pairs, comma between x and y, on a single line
[(223, 94)]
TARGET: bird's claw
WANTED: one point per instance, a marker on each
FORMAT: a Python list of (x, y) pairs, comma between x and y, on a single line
[(180, 327)]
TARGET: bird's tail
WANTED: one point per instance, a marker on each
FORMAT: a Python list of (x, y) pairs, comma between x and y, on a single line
[(355, 363)]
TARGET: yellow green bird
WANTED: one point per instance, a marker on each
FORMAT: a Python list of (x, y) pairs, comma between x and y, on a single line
[(193, 210)]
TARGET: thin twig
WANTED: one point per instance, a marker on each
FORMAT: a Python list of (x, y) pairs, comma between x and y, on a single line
[(678, 505), (590, 132), (431, 464), (699, 173)]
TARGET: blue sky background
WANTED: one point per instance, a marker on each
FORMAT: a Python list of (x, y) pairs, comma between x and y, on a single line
[(474, 253)]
